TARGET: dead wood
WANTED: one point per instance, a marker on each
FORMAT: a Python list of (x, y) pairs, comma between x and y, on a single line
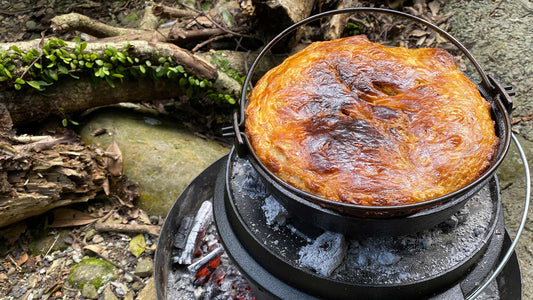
[(76, 95), (75, 21), (285, 13), (334, 27), (171, 12), (39, 176), (131, 228), (181, 37)]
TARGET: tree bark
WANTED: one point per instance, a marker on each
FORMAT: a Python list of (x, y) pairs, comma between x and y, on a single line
[(40, 176), (74, 95)]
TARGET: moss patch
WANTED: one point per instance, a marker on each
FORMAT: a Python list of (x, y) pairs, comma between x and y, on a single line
[(92, 270)]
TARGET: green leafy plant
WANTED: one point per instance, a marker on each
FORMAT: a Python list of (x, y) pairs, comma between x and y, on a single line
[(56, 60), (354, 28)]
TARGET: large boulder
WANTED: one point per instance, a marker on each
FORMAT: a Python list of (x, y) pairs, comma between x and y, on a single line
[(160, 155)]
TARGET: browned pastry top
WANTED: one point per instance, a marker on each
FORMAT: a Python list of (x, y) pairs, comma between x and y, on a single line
[(354, 121)]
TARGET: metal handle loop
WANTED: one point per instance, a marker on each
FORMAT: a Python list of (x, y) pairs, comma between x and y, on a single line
[(523, 220), (484, 78)]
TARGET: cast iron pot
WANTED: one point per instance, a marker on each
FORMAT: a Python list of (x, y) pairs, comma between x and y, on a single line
[(301, 203)]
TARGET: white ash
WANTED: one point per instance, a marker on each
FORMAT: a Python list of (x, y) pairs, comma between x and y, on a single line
[(393, 260), (325, 254), (275, 213), (248, 179)]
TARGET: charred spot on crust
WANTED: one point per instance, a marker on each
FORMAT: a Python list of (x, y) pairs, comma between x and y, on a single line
[(333, 140)]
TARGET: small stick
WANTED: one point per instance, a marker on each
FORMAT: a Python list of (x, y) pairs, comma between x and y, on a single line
[(135, 228), (197, 265), (215, 38)]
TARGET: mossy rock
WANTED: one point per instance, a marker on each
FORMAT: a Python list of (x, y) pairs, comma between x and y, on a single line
[(92, 270), (162, 156)]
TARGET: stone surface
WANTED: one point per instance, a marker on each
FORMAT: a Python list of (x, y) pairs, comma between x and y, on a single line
[(162, 157), (513, 183), (89, 291), (95, 271), (49, 242), (148, 292), (108, 294), (498, 33), (145, 267)]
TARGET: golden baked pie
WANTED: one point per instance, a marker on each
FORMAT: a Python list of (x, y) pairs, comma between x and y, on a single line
[(358, 122)]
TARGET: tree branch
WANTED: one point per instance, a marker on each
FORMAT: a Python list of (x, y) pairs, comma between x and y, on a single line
[(75, 21)]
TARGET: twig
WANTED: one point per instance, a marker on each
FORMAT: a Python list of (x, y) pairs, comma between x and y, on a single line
[(41, 44), (135, 228), (215, 38), (213, 21), (14, 262), (522, 119), (52, 246), (495, 8)]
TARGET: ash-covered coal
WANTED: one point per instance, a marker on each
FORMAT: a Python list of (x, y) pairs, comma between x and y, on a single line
[(249, 183), (275, 213), (325, 254)]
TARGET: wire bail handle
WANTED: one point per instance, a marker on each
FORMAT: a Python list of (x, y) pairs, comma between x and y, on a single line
[(488, 82)]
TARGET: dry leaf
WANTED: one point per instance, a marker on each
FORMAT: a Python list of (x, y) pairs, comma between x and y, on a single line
[(23, 258), (434, 6), (114, 163), (143, 216), (418, 33), (105, 186), (137, 245), (420, 41), (66, 217), (95, 248)]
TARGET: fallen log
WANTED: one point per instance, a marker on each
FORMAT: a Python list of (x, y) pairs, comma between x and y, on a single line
[(69, 95), (40, 176), (74, 95)]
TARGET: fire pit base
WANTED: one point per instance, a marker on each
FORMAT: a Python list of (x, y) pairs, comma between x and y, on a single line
[(265, 285)]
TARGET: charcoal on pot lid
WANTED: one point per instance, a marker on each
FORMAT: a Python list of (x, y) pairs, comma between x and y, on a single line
[(325, 254), (275, 213)]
